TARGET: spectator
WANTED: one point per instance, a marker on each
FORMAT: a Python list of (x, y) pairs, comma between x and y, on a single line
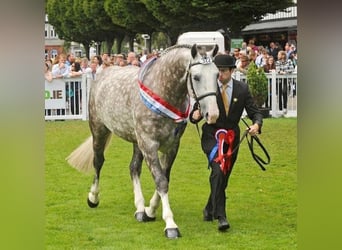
[(47, 73), (252, 55), (283, 66), (75, 70), (48, 77), (123, 63), (84, 65), (144, 56), (75, 88), (97, 59), (118, 59), (70, 59), (60, 69), (274, 49), (49, 62), (244, 47), (268, 68), (105, 57), (251, 44), (243, 64), (270, 65), (135, 62), (293, 55), (261, 59), (91, 74), (287, 49), (131, 56), (236, 55)]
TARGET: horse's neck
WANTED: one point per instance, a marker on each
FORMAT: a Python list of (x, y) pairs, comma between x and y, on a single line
[(169, 81)]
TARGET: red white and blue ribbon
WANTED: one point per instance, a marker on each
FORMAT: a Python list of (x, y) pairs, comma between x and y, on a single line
[(223, 158), (156, 103)]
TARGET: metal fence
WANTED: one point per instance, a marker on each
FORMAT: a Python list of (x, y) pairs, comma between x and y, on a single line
[(67, 99)]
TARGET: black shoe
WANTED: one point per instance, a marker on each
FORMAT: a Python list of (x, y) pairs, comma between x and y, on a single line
[(207, 216), (223, 224)]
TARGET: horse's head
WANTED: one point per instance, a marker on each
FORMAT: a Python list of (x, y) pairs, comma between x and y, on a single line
[(202, 81)]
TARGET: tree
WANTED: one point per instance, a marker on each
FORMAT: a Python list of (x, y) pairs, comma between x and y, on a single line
[(133, 16), (200, 15), (104, 20), (106, 29), (68, 21)]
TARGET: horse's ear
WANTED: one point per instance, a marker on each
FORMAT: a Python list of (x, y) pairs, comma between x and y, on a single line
[(215, 50), (194, 50)]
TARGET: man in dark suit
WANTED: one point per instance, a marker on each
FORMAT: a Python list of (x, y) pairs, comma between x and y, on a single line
[(220, 141)]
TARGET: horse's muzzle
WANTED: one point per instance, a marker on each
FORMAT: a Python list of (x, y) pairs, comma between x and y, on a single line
[(212, 116), (209, 109)]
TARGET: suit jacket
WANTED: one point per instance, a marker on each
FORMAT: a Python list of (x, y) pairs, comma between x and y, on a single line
[(241, 99)]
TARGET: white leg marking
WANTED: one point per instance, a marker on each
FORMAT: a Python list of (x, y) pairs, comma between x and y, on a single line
[(167, 213), (138, 195), (154, 204), (93, 195)]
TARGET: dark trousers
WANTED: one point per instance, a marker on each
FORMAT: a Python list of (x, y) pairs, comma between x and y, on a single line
[(75, 103), (216, 205), (282, 93)]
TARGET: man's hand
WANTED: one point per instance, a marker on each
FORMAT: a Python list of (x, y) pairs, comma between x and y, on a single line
[(196, 115), (253, 129)]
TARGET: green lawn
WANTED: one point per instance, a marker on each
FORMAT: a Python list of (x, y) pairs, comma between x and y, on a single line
[(261, 207)]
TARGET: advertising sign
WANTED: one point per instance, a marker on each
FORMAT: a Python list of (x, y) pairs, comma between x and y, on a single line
[(55, 94), (236, 43)]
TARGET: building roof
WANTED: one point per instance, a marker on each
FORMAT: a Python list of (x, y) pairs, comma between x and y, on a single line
[(270, 26)]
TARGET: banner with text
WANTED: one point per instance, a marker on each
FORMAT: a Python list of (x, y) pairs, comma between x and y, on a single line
[(55, 94)]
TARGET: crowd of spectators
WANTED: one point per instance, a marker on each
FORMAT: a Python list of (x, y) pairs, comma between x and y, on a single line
[(261, 56), (271, 58), (67, 65)]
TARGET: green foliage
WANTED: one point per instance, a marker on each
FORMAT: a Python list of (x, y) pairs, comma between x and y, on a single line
[(261, 205), (258, 83), (72, 19)]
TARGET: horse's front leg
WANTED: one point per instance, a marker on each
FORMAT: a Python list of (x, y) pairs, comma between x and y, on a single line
[(161, 173)]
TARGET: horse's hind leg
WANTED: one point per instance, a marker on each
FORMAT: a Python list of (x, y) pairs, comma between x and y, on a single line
[(101, 135), (135, 171)]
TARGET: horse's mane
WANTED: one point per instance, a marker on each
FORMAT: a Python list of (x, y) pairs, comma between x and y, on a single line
[(177, 46)]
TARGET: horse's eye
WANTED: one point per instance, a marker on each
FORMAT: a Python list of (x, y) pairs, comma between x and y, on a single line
[(196, 78)]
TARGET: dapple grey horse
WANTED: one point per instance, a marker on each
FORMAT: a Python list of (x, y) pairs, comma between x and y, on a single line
[(148, 107)]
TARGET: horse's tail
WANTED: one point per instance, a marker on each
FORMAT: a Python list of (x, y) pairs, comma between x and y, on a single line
[(82, 157)]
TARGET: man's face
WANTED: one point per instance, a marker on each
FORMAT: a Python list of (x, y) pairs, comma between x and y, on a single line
[(224, 75)]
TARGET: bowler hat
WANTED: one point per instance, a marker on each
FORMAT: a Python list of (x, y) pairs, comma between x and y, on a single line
[(224, 61)]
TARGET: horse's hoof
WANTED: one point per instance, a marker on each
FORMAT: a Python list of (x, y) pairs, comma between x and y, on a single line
[(143, 217), (139, 216), (91, 204), (147, 218), (172, 233)]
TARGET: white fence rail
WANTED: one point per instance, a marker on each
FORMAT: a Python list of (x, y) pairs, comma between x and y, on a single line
[(282, 93), (67, 99)]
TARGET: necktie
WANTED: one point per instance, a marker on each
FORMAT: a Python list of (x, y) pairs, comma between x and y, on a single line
[(225, 98)]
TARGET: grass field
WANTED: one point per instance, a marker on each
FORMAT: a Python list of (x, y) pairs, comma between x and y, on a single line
[(261, 206)]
